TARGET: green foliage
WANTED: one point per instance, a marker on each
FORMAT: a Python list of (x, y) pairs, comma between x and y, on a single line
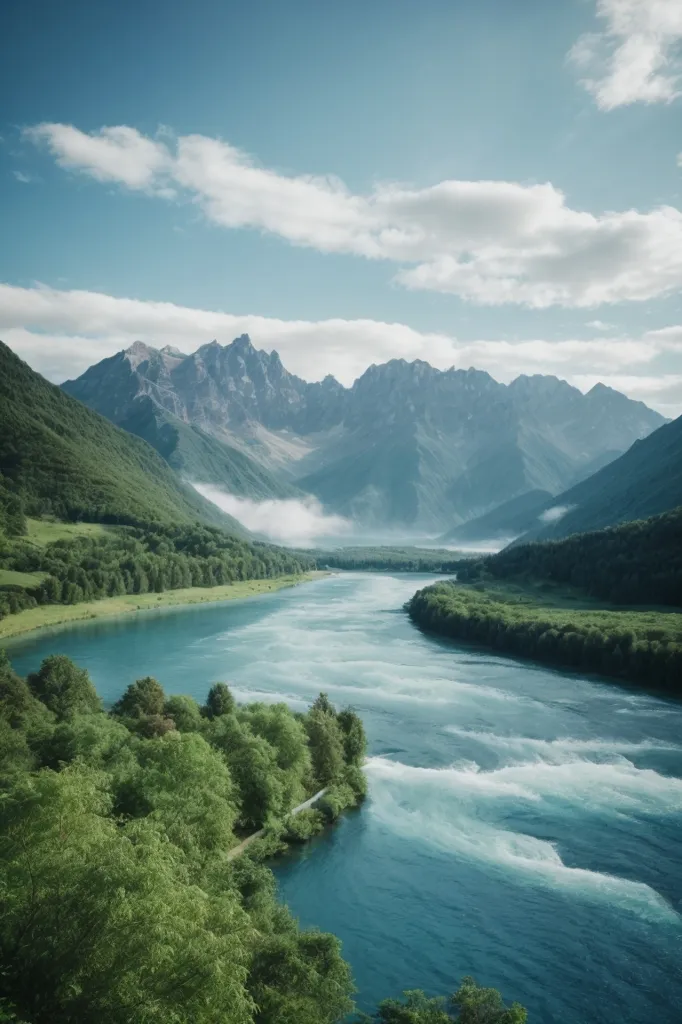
[(15, 695), (337, 798), (152, 558), (119, 901), (637, 563), (394, 559), (186, 785), (477, 1005), (354, 739), (640, 646), (100, 923), (413, 1008), (63, 688), (185, 712), (12, 516), (303, 826), (326, 744), (143, 697), (292, 982), (470, 1004), (219, 701)]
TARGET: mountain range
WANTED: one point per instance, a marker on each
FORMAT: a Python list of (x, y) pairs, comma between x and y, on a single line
[(407, 446)]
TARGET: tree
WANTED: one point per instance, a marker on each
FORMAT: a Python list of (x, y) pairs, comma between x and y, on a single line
[(185, 712), (253, 766), (470, 1004), (300, 979), (15, 696), (354, 739), (413, 1008), (63, 687), (186, 785), (326, 745), (477, 1005), (143, 697), (219, 701), (102, 925), (323, 705)]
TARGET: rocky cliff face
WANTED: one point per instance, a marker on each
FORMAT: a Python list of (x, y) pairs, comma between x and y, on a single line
[(407, 445)]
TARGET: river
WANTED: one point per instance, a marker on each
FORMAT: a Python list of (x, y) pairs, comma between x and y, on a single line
[(523, 826)]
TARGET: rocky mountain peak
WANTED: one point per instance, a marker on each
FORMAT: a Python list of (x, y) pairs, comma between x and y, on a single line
[(139, 353)]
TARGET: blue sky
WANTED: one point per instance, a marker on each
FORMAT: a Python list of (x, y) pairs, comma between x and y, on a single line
[(493, 184)]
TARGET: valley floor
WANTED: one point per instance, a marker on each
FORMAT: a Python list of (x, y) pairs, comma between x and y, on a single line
[(58, 614)]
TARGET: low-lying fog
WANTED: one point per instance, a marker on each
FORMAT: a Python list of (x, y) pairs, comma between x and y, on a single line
[(303, 522)]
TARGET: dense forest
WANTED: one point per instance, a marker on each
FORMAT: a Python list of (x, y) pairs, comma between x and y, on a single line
[(119, 902), (399, 559), (60, 458), (470, 1004), (135, 560), (640, 646), (636, 563)]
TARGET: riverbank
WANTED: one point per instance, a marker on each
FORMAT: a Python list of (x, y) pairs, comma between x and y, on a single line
[(557, 627), (60, 614)]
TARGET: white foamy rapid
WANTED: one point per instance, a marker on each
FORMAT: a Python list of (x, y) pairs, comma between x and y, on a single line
[(559, 750), (332, 645), (454, 810)]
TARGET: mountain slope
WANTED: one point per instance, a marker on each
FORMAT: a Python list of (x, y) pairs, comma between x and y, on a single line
[(507, 520), (638, 562), (133, 390), (61, 457), (645, 481), (407, 445)]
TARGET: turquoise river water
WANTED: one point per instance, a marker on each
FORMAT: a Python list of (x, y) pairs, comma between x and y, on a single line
[(523, 825)]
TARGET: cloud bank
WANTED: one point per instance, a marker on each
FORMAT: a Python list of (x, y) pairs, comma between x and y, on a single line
[(297, 523), (61, 333), (488, 242), (637, 57)]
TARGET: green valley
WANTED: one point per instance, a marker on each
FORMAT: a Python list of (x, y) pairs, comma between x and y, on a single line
[(562, 602)]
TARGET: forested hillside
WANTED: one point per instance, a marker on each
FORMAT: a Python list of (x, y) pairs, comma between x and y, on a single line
[(133, 560), (636, 563), (396, 559), (119, 900), (58, 457)]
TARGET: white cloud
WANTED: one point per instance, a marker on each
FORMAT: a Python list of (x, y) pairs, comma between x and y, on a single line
[(489, 242), (599, 325), (298, 523), (25, 179), (119, 154), (637, 56), (554, 514), (61, 333)]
